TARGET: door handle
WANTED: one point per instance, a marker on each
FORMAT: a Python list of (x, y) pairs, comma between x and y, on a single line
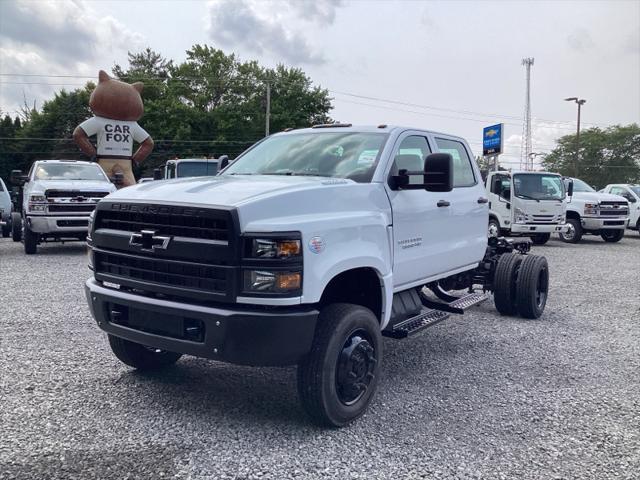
[(443, 203), (483, 200)]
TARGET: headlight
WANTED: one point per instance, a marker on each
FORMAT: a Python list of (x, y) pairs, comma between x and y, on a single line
[(92, 216), (591, 208), (265, 281), (520, 216), (275, 248), (37, 198), (90, 258)]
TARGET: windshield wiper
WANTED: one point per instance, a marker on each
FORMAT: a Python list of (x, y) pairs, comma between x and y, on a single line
[(522, 195), (297, 174)]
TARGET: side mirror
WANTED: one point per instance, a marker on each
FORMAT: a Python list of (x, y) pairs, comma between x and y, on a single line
[(223, 161), (157, 174), (630, 198), (438, 172), (570, 189), (17, 178)]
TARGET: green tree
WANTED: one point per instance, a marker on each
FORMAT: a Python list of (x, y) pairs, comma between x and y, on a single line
[(610, 155)]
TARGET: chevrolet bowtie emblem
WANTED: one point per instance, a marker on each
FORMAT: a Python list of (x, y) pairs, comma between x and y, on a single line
[(148, 241)]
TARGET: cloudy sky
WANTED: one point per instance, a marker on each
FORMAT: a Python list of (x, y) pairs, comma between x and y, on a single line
[(452, 66)]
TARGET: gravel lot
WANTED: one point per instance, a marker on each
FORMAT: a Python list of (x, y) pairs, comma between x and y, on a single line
[(479, 396)]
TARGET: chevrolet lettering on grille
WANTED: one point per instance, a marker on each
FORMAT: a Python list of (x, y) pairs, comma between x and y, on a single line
[(147, 241)]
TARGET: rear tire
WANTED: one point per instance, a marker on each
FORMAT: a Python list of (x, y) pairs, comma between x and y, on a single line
[(504, 289), (574, 235), (612, 236), (338, 378), (532, 286), (141, 357), (541, 238), (16, 227), (30, 241)]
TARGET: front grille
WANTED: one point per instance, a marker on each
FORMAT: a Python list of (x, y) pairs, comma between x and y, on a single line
[(543, 218), (71, 208), (198, 278), (72, 223), (197, 259), (74, 194), (618, 213), (613, 208), (166, 220)]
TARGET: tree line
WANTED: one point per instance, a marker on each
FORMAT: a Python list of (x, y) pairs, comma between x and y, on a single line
[(211, 104)]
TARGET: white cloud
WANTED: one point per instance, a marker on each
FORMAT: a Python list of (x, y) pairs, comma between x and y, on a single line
[(580, 40), (61, 37), (270, 27)]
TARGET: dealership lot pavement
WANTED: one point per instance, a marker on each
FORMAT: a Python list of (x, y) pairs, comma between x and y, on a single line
[(479, 396)]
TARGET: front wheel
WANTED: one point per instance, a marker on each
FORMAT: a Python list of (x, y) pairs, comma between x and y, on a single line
[(541, 238), (140, 356), (574, 232), (494, 227), (16, 227), (612, 236), (338, 378), (30, 240)]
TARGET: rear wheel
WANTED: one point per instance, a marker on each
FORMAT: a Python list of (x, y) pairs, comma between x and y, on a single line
[(541, 238), (532, 286), (574, 232), (140, 356), (16, 227), (504, 290), (612, 236), (30, 240), (494, 227), (338, 378)]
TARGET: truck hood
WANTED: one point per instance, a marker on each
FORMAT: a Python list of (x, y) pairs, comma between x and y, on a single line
[(98, 186), (596, 197), (227, 190)]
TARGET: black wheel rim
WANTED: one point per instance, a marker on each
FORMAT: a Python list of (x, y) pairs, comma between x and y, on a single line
[(355, 369), (542, 287)]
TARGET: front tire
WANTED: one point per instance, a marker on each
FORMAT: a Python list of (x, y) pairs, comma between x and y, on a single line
[(30, 241), (532, 286), (16, 227), (494, 227), (574, 235), (612, 236), (141, 357), (338, 378), (541, 238)]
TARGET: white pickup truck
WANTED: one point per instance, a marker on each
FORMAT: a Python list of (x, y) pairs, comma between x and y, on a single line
[(5, 210), (591, 212), (57, 198), (306, 250), (531, 204), (632, 194)]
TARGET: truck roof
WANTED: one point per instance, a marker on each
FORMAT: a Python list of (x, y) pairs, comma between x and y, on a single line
[(83, 162), (526, 172), (211, 160), (347, 127)]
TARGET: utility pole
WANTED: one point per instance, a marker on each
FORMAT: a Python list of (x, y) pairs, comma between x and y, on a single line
[(525, 147), (580, 102), (266, 126)]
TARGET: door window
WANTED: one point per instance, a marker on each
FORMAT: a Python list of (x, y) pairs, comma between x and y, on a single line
[(410, 156), (462, 170)]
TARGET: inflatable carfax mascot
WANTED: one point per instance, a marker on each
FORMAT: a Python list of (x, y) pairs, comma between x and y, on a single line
[(117, 107)]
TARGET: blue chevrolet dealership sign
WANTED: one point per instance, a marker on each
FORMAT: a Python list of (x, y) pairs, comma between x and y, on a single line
[(492, 139)]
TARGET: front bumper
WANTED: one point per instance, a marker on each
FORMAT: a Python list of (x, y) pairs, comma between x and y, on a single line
[(278, 336), (604, 223), (539, 228), (58, 224)]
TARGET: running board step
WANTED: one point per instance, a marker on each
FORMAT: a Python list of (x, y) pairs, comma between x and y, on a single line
[(415, 324), (457, 306)]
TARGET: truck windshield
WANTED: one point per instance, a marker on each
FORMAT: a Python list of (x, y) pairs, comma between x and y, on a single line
[(69, 171), (580, 186), (352, 155), (538, 186), (635, 188), (197, 169)]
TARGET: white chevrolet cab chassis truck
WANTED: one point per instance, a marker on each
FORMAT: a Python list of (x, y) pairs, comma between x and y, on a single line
[(591, 212), (631, 193), (531, 204), (306, 250), (57, 198)]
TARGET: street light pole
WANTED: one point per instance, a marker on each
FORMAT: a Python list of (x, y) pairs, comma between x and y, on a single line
[(580, 102)]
